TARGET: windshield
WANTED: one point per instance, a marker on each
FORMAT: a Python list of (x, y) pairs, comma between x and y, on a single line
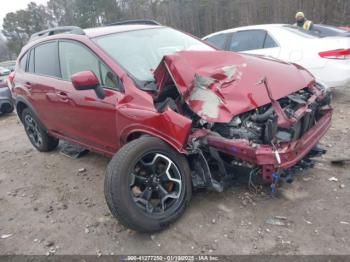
[(140, 52), (301, 32)]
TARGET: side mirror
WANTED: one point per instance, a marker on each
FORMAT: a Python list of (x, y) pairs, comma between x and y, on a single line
[(87, 80)]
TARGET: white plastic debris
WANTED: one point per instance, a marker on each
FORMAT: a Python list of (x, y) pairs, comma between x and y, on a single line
[(276, 221), (344, 223), (4, 236), (333, 179)]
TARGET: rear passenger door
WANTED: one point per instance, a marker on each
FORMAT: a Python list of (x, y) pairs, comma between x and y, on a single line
[(254, 42), (42, 75)]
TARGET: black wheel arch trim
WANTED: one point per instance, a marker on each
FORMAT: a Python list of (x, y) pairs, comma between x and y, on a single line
[(21, 99)]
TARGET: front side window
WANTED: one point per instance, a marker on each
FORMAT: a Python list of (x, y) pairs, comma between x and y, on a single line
[(46, 60), (76, 58), (247, 40), (139, 52)]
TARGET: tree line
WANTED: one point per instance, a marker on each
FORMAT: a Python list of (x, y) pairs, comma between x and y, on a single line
[(198, 17)]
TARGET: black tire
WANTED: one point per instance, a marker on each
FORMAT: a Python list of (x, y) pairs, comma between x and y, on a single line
[(36, 133), (6, 108), (119, 191)]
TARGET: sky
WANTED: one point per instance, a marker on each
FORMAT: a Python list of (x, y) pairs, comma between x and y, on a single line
[(14, 5)]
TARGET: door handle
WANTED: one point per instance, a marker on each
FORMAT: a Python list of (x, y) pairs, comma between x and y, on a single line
[(63, 96), (28, 85)]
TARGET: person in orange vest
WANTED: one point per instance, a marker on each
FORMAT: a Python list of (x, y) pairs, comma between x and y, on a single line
[(302, 22)]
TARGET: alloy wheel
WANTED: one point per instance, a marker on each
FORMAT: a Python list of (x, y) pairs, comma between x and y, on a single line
[(33, 131), (155, 183)]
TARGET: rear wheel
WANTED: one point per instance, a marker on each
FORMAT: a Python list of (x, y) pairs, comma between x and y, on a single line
[(147, 185), (37, 135)]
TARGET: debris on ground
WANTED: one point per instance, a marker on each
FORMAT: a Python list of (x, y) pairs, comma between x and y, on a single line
[(4, 236), (52, 251), (340, 162), (277, 221), (247, 198), (82, 170), (344, 223), (308, 222), (49, 243), (333, 179)]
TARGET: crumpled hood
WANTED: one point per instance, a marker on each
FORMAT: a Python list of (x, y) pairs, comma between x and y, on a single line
[(218, 85)]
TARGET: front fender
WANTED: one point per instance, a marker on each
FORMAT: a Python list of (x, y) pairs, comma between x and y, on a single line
[(168, 126)]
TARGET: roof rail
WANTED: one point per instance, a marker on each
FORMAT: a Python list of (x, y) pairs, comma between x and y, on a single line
[(57, 30), (135, 22)]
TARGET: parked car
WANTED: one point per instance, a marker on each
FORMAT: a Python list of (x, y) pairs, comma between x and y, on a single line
[(327, 58), (173, 113), (4, 71), (327, 31), (6, 102)]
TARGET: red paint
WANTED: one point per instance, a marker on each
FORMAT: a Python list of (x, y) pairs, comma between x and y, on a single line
[(85, 80), (101, 125), (244, 91), (104, 125)]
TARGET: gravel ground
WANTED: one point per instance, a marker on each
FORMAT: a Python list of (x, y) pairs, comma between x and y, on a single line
[(48, 206)]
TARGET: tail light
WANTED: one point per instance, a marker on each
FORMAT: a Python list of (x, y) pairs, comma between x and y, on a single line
[(10, 80), (336, 54)]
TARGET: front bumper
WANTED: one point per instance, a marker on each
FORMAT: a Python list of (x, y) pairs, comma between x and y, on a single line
[(273, 159)]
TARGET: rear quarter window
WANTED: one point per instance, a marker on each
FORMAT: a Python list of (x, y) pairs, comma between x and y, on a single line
[(23, 61), (269, 42), (30, 67)]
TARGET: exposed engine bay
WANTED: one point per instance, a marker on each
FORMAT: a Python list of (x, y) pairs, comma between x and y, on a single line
[(248, 131)]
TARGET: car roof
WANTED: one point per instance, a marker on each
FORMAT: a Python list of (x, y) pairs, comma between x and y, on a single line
[(106, 30), (250, 27), (91, 33)]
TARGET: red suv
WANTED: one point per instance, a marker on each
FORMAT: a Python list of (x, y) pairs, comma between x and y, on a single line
[(173, 113)]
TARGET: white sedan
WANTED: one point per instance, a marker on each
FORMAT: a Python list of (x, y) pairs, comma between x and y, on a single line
[(328, 58)]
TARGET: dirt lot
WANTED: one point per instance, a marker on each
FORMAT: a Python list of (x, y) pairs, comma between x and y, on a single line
[(46, 204)]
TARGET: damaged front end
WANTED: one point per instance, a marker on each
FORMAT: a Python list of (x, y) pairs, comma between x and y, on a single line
[(249, 114)]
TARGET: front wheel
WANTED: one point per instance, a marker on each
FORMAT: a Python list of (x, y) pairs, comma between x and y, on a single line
[(147, 184)]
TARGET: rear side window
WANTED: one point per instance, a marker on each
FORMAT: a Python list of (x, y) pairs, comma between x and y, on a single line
[(247, 40), (46, 60), (217, 40), (23, 61)]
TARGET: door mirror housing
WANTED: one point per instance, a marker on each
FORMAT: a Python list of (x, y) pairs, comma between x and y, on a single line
[(87, 80)]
